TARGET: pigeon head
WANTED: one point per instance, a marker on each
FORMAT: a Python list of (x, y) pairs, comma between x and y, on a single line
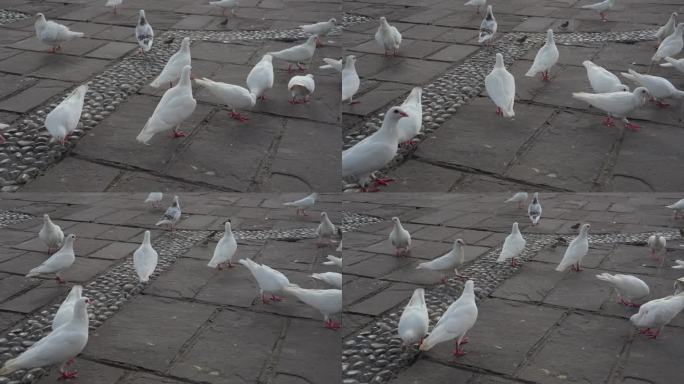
[(185, 44), (678, 286), (680, 27), (46, 217), (227, 226), (141, 19), (515, 227), (469, 286), (641, 92), (267, 57), (395, 220), (397, 113), (333, 21), (312, 39), (147, 237), (459, 243), (350, 59), (40, 17), (185, 74), (490, 14), (76, 292), (585, 228), (324, 215), (549, 35), (623, 88), (499, 61)]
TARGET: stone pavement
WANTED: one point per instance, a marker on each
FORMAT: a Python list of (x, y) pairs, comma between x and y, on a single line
[(554, 143), (535, 325), (274, 151), (190, 324)]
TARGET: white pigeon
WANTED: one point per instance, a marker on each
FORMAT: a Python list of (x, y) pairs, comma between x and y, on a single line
[(174, 67), (172, 214), (534, 210), (303, 204), (325, 231), (233, 96), (667, 29), (260, 78), (409, 127), (452, 260), (602, 8), (677, 64), (225, 250), (332, 64), (145, 259), (226, 4), (60, 346), (114, 4), (301, 88), (51, 234), (500, 86), (144, 33), (677, 208), (671, 46), (455, 322), (58, 262), (578, 248), (52, 33), (477, 4), (155, 198), (602, 80), (375, 151), (333, 260), (656, 314), (519, 197), (176, 105), (269, 280), (388, 37), (513, 246), (63, 120), (414, 321), (320, 29), (400, 238), (658, 87), (487, 27), (66, 310), (350, 79), (298, 54), (616, 104), (327, 301), (657, 245), (679, 264), (546, 58), (331, 278), (630, 289)]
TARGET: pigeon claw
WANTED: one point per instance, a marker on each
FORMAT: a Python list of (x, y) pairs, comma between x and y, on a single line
[(238, 116), (276, 298), (331, 324), (661, 104), (499, 112), (458, 352), (262, 98), (67, 375), (632, 127), (381, 181)]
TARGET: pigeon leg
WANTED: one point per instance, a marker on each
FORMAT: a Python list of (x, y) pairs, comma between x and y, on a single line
[(262, 97), (578, 268), (67, 375), (230, 264), (353, 102), (276, 298), (264, 299), (382, 181), (608, 121), (458, 351), (331, 324), (444, 279), (514, 263), (499, 112), (644, 331), (289, 68), (177, 133), (603, 17), (115, 9), (301, 67), (60, 280)]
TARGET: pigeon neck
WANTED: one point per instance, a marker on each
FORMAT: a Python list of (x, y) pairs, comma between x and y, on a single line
[(68, 245), (349, 64), (146, 240)]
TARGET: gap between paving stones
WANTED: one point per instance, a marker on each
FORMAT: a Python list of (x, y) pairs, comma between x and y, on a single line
[(112, 289), (374, 354), (461, 83), (30, 150)]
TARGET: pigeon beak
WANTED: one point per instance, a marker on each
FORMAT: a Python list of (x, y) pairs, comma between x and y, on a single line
[(403, 114)]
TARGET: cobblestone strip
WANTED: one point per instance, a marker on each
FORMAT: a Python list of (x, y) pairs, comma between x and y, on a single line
[(375, 354), (459, 84), (30, 149), (7, 16), (108, 293), (350, 222), (8, 218)]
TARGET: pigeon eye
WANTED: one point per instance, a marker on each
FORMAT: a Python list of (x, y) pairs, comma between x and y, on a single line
[(395, 111)]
